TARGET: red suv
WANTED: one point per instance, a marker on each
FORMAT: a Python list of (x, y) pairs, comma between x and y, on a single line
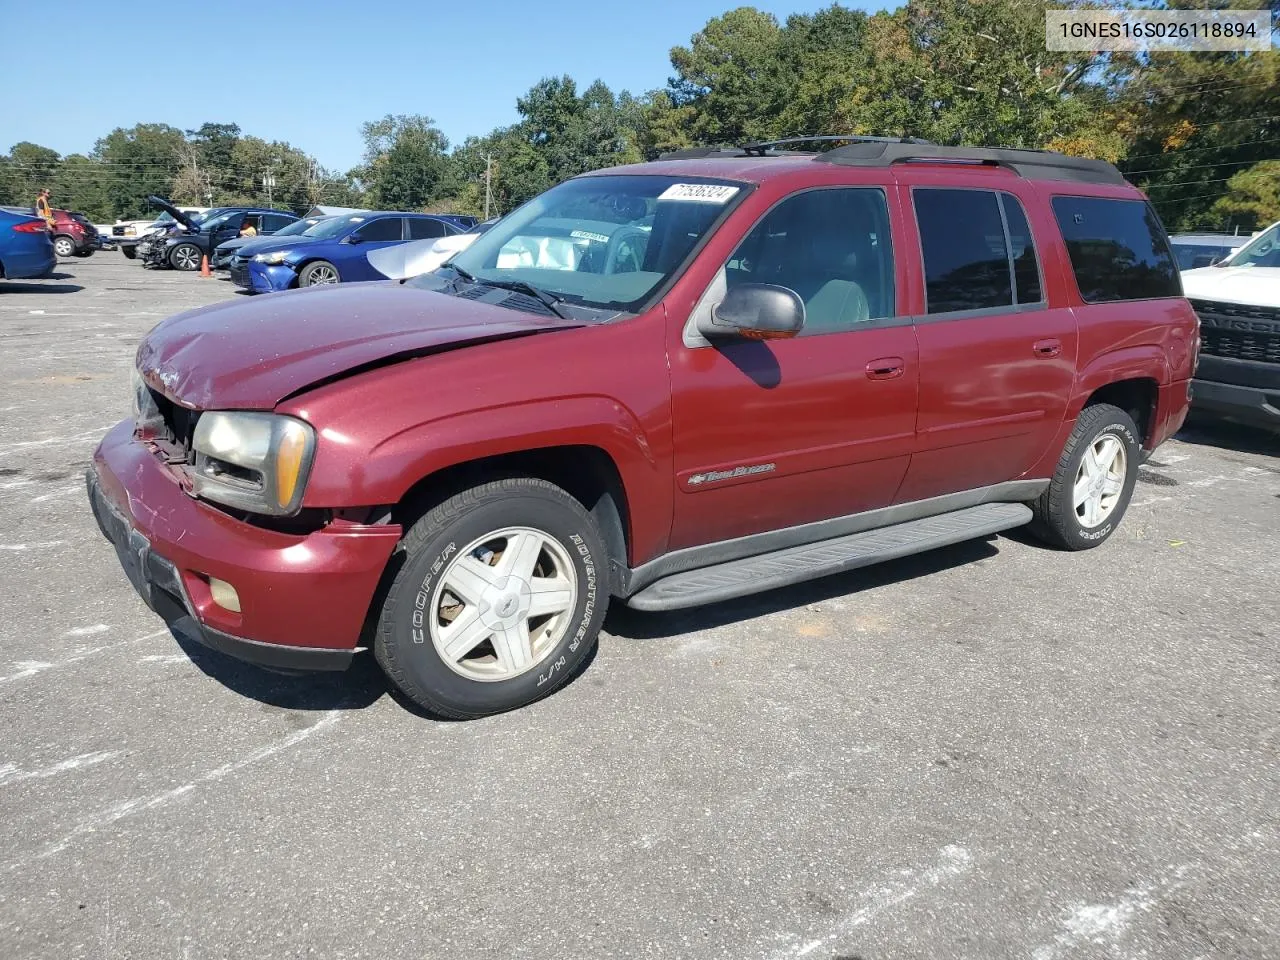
[(667, 384), (73, 234)]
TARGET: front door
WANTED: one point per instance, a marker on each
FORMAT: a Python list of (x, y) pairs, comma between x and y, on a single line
[(374, 235), (772, 434), (997, 359)]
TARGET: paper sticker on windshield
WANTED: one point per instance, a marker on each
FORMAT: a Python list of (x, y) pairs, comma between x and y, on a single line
[(587, 235), (699, 192)]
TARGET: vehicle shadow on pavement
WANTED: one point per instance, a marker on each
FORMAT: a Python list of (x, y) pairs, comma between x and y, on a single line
[(1229, 436), (357, 688), (630, 624), (41, 286)]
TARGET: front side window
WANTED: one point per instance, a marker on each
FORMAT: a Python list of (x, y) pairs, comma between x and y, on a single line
[(1262, 251), (1118, 249), (832, 247), (607, 241), (966, 260), (388, 228)]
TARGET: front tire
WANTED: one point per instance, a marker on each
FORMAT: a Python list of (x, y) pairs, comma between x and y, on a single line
[(64, 246), (1093, 482), (185, 256), (130, 253), (498, 601), (318, 273)]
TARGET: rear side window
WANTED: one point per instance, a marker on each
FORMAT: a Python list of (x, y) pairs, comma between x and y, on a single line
[(388, 228), (966, 259), (421, 229), (1118, 249), (272, 222)]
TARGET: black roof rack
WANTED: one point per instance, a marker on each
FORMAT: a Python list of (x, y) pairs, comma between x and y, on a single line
[(1032, 164), (886, 151)]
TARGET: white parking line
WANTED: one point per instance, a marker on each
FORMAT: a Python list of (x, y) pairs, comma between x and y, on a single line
[(29, 668), (952, 862), (20, 547), (12, 773), (64, 492), (128, 808)]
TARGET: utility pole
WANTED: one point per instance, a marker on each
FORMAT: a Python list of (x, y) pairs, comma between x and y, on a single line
[(269, 182), (488, 182)]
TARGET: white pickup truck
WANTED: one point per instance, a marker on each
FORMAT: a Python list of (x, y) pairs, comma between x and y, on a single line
[(1238, 302)]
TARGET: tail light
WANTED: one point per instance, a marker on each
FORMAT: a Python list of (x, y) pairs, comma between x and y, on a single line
[(31, 226)]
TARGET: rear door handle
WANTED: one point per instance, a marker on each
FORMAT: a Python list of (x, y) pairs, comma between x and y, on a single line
[(886, 368), (1047, 348)]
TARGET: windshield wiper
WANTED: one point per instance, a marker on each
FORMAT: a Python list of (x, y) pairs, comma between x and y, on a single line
[(551, 301)]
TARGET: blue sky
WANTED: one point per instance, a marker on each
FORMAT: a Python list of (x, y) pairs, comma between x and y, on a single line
[(311, 73)]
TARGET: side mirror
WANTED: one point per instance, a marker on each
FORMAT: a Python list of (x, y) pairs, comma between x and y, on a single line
[(352, 239), (757, 311)]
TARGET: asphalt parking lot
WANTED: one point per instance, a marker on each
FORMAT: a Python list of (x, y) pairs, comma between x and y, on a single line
[(996, 750)]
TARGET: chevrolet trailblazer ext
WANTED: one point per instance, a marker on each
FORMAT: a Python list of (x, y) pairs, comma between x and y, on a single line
[(672, 383)]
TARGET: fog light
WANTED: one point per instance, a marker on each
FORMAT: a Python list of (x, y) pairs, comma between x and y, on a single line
[(224, 594)]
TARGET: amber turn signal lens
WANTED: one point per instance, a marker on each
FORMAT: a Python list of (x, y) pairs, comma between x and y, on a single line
[(289, 453)]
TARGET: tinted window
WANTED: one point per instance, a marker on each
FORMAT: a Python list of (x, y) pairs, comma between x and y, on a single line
[(388, 228), (272, 222), (1118, 249), (830, 246), (1026, 270), (966, 261), (426, 229)]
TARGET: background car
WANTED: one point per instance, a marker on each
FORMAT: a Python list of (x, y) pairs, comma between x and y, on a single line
[(412, 259), (1194, 250), (185, 248), (334, 251), (73, 234), (26, 249), (222, 254), (126, 234)]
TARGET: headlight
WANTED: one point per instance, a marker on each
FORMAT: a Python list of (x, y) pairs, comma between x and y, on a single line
[(276, 256), (254, 461)]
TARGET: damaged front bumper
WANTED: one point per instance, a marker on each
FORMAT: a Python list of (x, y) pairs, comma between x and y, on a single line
[(303, 598)]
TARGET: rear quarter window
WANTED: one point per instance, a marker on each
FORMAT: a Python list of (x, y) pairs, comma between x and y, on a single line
[(1118, 249)]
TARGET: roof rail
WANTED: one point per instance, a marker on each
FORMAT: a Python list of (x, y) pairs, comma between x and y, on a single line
[(1031, 164), (760, 147)]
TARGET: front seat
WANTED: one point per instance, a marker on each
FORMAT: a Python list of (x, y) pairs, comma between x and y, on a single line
[(823, 265)]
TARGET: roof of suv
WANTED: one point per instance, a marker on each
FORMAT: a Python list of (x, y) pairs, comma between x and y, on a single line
[(756, 163)]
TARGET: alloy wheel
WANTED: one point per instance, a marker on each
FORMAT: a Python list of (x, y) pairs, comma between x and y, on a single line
[(322, 274), (502, 604), (1100, 480)]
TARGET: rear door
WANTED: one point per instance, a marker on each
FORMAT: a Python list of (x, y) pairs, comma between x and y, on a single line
[(773, 434), (997, 356), (374, 235)]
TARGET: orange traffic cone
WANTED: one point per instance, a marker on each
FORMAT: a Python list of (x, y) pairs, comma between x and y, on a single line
[(204, 266)]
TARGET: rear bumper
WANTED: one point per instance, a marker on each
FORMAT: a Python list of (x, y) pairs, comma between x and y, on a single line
[(303, 598), (1253, 406)]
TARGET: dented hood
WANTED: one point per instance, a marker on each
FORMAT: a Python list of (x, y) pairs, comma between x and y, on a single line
[(250, 355)]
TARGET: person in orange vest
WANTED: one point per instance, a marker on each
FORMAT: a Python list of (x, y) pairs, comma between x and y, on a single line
[(43, 208)]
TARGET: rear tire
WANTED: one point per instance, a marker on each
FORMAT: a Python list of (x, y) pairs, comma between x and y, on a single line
[(64, 246), (1093, 482), (318, 273), (130, 253), (498, 600)]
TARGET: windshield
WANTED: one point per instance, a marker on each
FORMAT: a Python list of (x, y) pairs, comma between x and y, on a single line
[(297, 227), (606, 241), (1262, 251), (332, 227)]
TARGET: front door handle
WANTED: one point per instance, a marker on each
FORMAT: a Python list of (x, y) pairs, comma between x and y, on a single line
[(886, 368), (1047, 348)]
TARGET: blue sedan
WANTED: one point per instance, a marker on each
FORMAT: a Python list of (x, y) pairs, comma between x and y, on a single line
[(26, 249), (333, 251)]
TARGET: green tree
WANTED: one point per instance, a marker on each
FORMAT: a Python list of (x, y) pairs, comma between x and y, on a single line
[(732, 74), (138, 161), (405, 164), (27, 168), (81, 184), (1252, 200)]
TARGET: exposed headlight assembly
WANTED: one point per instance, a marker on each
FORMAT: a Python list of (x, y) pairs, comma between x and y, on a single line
[(272, 258), (257, 462)]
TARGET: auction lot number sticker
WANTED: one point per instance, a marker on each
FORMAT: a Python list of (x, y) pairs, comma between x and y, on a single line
[(699, 192), (1139, 29)]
